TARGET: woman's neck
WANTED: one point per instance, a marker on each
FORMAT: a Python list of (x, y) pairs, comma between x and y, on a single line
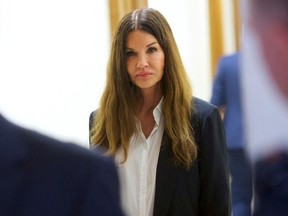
[(150, 100)]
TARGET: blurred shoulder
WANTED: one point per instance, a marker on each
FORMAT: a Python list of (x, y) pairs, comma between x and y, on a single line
[(46, 149), (231, 58)]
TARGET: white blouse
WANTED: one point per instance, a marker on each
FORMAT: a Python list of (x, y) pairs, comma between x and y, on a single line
[(138, 173)]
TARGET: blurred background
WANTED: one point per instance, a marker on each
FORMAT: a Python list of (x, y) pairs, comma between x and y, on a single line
[(53, 55)]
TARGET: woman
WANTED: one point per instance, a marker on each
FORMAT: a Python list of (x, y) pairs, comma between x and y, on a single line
[(169, 145)]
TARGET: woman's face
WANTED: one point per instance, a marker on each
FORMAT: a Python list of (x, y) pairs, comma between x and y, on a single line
[(145, 60)]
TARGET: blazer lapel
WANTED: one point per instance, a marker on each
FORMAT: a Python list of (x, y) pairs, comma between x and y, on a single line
[(166, 178)]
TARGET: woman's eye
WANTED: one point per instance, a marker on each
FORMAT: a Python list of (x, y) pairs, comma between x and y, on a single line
[(130, 53), (152, 49)]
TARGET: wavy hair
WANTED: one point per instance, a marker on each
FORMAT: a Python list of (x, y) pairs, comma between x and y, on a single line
[(115, 122)]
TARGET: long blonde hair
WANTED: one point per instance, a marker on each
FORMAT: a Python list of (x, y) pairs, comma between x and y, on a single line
[(115, 122)]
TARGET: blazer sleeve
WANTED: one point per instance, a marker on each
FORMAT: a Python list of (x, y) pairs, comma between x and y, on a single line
[(213, 167)]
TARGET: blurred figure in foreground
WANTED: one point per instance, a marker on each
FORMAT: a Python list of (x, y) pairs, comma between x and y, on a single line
[(226, 95), (269, 19), (42, 176)]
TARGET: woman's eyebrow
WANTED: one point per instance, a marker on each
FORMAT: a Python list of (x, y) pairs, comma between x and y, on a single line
[(146, 46)]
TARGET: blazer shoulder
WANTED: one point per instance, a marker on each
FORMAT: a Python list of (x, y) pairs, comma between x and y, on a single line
[(202, 108), (201, 111)]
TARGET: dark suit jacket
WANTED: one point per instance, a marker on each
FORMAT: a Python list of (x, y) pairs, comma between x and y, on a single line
[(40, 176), (271, 185), (203, 190)]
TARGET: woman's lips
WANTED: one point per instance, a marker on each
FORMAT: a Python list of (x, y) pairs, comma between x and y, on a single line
[(143, 75)]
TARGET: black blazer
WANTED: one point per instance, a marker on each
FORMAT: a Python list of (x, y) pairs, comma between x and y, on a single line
[(40, 176), (203, 190)]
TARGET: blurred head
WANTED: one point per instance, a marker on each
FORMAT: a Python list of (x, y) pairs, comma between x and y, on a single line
[(269, 19)]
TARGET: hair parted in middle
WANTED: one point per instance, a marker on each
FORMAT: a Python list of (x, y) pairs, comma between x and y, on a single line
[(115, 122)]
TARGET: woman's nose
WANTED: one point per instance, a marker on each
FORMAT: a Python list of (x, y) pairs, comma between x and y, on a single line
[(142, 61)]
